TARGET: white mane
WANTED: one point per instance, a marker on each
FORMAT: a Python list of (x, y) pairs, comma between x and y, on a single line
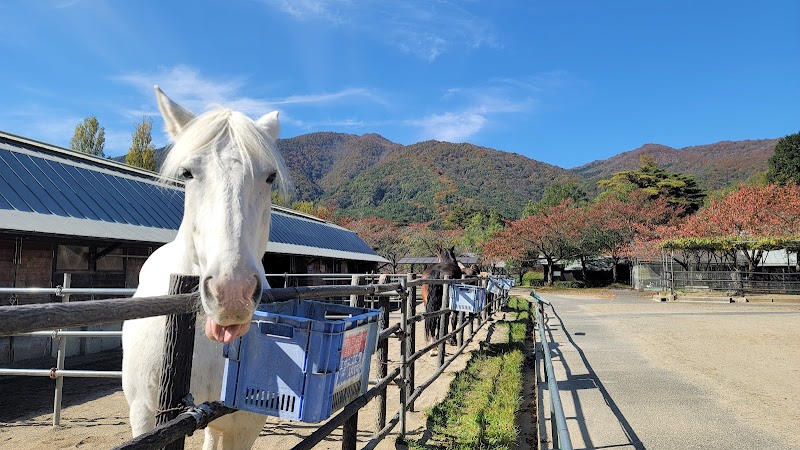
[(222, 128)]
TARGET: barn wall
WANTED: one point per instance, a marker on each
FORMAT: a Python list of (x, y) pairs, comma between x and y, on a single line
[(31, 261)]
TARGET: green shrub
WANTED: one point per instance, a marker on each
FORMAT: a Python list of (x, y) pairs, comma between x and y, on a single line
[(533, 278), (575, 284)]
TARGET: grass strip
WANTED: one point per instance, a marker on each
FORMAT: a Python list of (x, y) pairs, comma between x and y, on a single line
[(480, 409)]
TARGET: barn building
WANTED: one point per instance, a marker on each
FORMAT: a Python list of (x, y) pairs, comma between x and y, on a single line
[(97, 219)]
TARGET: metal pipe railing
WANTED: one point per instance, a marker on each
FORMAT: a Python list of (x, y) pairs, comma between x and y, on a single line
[(58, 372), (558, 421)]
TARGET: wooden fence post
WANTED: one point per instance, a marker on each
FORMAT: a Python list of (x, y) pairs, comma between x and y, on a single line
[(411, 335), (460, 333), (383, 362), (350, 427), (443, 320), (354, 298), (404, 369), (177, 371)]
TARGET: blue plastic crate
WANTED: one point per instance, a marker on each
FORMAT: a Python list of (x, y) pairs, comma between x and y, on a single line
[(495, 286), (467, 298), (301, 359)]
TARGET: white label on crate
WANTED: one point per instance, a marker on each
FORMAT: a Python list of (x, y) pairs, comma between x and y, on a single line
[(350, 369)]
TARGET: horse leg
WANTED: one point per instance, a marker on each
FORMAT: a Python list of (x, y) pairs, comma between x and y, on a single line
[(453, 326), (238, 431), (212, 440), (143, 349), (433, 304)]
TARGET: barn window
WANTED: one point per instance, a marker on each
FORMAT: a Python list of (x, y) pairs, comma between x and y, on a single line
[(112, 262), (72, 257)]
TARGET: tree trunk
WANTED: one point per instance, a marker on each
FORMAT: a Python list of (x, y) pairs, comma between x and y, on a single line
[(583, 267), (549, 273)]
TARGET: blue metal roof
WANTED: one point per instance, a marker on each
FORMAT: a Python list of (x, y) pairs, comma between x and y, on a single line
[(299, 231), (52, 190), (48, 186)]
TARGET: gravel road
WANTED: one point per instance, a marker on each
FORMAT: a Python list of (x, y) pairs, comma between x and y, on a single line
[(636, 373)]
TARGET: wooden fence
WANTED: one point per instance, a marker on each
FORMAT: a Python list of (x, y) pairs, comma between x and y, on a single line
[(180, 305)]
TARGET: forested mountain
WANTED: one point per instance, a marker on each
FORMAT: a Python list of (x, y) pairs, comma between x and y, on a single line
[(714, 166), (371, 176), (430, 179)]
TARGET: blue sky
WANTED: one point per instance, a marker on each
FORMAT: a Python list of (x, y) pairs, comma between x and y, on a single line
[(564, 82)]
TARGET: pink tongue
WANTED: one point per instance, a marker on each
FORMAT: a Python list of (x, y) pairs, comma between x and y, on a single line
[(225, 334)]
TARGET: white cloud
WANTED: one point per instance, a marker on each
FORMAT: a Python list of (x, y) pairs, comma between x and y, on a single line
[(423, 28), (189, 88), (451, 127), (470, 110)]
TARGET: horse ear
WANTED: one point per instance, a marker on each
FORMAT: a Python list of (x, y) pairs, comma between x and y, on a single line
[(175, 116), (269, 123)]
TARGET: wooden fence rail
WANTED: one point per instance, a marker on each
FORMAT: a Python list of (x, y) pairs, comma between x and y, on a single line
[(172, 430)]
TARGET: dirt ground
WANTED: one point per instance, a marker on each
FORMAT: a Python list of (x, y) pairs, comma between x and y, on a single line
[(95, 415)]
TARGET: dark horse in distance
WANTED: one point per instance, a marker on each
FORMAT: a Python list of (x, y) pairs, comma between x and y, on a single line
[(432, 294)]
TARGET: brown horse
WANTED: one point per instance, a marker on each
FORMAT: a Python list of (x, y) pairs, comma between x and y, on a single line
[(432, 294), (471, 271)]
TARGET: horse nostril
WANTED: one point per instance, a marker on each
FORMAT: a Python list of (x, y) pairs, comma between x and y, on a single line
[(257, 291), (207, 286)]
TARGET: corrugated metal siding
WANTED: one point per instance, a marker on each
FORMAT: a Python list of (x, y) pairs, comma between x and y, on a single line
[(98, 202)]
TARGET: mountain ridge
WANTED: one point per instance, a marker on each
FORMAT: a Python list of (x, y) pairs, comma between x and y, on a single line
[(369, 175)]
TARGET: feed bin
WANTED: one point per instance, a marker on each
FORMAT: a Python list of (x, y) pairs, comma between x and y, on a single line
[(301, 359)]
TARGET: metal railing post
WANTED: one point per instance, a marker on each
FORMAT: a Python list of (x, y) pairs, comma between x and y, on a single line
[(558, 421), (62, 353)]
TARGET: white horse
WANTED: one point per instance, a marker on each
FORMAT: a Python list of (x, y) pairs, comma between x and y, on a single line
[(228, 164)]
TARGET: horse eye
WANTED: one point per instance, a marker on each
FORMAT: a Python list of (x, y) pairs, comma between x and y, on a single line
[(271, 177), (185, 175)]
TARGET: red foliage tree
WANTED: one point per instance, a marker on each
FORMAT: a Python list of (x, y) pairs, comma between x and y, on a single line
[(552, 234), (750, 212), (614, 225), (384, 236)]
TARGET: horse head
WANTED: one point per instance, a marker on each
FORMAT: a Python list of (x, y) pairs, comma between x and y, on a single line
[(447, 255), (228, 164)]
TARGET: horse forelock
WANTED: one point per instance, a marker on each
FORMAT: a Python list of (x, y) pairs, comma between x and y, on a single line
[(220, 129)]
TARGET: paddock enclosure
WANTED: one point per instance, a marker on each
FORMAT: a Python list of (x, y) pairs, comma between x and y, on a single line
[(402, 332), (77, 230), (99, 220)]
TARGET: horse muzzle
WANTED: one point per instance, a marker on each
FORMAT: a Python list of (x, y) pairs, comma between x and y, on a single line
[(229, 305)]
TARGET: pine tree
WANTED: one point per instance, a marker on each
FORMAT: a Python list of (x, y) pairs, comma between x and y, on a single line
[(142, 153), (89, 137), (784, 164)]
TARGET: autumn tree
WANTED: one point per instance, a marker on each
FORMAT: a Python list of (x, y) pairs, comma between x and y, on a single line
[(89, 137), (142, 152), (750, 213), (384, 236), (552, 234), (784, 164), (555, 193), (314, 209), (479, 229), (681, 191), (613, 224)]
